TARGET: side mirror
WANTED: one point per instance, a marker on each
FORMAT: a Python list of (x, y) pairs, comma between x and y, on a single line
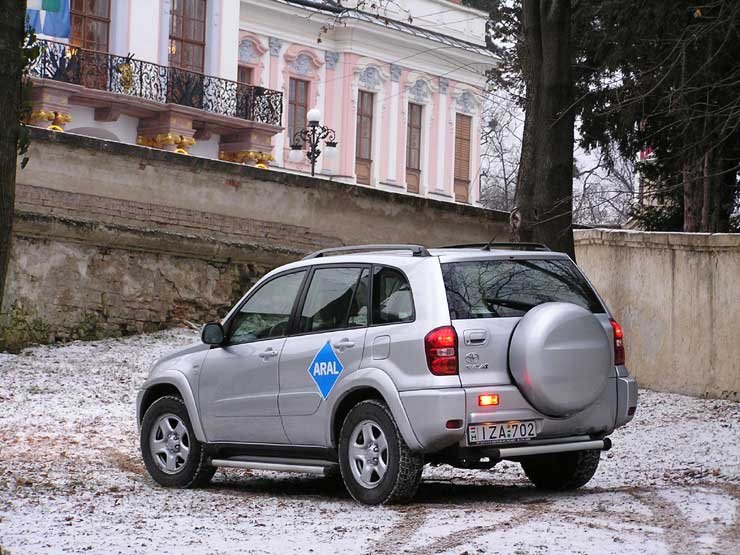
[(213, 334)]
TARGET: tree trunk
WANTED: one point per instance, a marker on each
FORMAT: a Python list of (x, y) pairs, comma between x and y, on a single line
[(692, 197), (12, 22), (725, 193), (706, 201), (544, 195)]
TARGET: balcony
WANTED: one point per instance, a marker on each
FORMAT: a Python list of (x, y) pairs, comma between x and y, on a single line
[(167, 100)]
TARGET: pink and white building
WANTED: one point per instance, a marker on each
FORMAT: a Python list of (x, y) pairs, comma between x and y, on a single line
[(404, 92)]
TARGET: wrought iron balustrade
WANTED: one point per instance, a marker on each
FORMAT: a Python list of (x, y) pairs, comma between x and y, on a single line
[(129, 76)]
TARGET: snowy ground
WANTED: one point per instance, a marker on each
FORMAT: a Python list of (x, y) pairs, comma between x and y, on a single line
[(71, 481)]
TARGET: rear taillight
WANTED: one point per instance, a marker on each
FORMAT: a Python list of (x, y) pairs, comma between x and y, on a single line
[(440, 346), (618, 343)]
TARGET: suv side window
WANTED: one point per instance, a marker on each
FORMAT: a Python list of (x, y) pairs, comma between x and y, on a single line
[(392, 299), (267, 312), (336, 299)]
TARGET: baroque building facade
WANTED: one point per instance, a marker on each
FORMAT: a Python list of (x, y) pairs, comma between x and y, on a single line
[(235, 80)]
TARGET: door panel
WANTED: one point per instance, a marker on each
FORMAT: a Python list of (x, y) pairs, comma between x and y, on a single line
[(238, 393), (332, 328), (299, 394), (239, 381)]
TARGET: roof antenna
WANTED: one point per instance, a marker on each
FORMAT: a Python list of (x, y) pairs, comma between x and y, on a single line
[(491, 242)]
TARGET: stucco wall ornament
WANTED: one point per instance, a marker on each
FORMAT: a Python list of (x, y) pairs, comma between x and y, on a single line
[(275, 46), (419, 92), (331, 59), (466, 102)]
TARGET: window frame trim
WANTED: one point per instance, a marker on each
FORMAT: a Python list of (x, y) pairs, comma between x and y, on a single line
[(183, 41), (304, 125), (358, 116), (85, 16), (373, 324), (420, 128), (293, 326), (229, 321)]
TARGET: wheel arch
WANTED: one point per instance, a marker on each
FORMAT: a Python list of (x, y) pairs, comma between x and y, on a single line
[(170, 382), (370, 384)]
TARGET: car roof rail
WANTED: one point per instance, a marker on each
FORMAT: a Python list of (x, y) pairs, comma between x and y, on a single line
[(416, 250), (503, 246), (517, 246), (465, 246)]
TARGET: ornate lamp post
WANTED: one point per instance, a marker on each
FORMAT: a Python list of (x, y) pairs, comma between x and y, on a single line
[(311, 136)]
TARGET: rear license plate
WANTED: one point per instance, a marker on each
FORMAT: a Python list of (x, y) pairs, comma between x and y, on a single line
[(502, 432)]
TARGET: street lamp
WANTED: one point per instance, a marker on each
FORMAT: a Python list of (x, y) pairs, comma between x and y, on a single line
[(311, 136)]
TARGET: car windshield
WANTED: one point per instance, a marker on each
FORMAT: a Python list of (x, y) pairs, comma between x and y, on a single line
[(505, 288)]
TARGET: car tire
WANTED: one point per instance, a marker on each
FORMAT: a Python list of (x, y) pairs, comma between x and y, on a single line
[(172, 455), (561, 471), (377, 466)]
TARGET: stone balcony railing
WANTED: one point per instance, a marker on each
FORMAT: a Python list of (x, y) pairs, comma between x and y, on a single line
[(169, 102)]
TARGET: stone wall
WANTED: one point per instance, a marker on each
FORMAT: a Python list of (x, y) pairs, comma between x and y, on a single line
[(113, 239), (677, 296)]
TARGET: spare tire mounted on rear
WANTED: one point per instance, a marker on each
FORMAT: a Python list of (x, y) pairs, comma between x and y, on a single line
[(560, 358)]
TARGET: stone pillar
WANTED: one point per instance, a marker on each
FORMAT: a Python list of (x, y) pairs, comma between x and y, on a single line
[(249, 146), (50, 108), (170, 130)]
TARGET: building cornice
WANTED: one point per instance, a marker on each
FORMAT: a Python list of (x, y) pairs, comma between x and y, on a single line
[(347, 17), (367, 39)]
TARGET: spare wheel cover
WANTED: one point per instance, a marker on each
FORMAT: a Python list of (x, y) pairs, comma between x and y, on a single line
[(560, 357)]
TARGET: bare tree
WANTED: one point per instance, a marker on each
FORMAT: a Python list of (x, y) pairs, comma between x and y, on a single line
[(501, 150), (603, 192)]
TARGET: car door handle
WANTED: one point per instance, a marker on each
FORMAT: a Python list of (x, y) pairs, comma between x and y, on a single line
[(343, 344), (475, 337), (268, 353)]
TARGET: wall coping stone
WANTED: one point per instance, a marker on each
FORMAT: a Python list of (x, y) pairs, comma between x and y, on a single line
[(274, 175), (657, 239)]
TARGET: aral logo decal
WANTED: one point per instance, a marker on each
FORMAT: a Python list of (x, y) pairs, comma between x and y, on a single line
[(325, 369)]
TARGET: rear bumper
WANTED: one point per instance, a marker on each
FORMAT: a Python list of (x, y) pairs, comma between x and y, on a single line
[(534, 449), (429, 411), (626, 400)]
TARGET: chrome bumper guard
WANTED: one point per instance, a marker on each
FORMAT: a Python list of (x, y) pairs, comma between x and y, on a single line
[(509, 452)]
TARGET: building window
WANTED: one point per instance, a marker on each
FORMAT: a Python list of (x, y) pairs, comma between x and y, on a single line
[(188, 34), (297, 106), (363, 162), (413, 148), (245, 75), (90, 24), (463, 125)]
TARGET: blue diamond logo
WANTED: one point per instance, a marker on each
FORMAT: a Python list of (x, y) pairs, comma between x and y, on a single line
[(325, 369)]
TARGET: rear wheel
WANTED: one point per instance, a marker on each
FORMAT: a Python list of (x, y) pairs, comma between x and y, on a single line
[(561, 471), (376, 464), (172, 455)]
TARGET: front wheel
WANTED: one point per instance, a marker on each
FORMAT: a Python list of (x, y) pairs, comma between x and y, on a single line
[(172, 455), (561, 471), (376, 464)]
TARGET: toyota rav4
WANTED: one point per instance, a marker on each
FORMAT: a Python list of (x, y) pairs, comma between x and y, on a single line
[(370, 361)]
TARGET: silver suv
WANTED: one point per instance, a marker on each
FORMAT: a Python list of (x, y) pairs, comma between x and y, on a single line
[(370, 361)]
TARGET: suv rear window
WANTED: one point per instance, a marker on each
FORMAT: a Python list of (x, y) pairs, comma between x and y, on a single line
[(504, 288)]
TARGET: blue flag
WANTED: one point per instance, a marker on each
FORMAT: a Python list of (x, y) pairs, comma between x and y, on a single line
[(56, 23), (33, 19), (49, 17)]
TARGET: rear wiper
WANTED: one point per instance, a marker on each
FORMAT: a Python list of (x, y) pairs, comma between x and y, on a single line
[(509, 303)]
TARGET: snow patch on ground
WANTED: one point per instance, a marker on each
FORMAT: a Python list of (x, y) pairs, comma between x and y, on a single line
[(71, 481)]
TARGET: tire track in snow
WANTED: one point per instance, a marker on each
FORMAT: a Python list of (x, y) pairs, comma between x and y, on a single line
[(412, 519)]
